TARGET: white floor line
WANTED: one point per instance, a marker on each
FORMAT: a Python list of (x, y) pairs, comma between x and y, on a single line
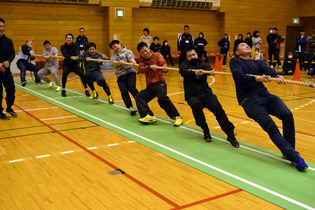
[(28, 110), (175, 93), (179, 153), (56, 118)]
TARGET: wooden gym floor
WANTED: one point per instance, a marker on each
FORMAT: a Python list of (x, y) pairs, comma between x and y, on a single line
[(54, 159)]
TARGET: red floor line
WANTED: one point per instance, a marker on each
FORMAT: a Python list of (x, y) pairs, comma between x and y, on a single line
[(208, 199), (243, 118), (105, 161)]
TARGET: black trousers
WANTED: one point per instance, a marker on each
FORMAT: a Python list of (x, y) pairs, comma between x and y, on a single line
[(157, 90), (210, 101), (24, 65), (127, 84), (72, 68), (170, 57), (275, 54), (6, 79), (259, 107), (96, 76)]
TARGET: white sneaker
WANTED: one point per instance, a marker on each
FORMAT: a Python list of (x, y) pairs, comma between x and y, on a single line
[(280, 67), (272, 66)]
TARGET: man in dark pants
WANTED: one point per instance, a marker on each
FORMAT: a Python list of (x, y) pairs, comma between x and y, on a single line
[(7, 55), (70, 51), (301, 43), (184, 40), (272, 46), (258, 103), (156, 87), (199, 95)]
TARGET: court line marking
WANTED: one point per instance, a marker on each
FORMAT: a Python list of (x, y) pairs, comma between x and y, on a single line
[(248, 148), (55, 118), (151, 190), (53, 107), (181, 154)]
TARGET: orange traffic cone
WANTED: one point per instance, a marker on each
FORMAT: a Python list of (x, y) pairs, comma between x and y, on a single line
[(297, 72), (216, 63), (220, 63)]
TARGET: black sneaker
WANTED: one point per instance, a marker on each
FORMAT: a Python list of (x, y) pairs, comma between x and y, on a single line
[(23, 84), (232, 141), (11, 112), (87, 93), (207, 137), (63, 93), (4, 117)]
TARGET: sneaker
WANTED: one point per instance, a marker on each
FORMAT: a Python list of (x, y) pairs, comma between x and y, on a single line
[(4, 117), (87, 93), (207, 137), (271, 66), (133, 111), (110, 99), (223, 65), (23, 84), (51, 84), (39, 83), (63, 93), (178, 121), (233, 142), (148, 119), (95, 95), (11, 112), (299, 164), (58, 88), (280, 67)]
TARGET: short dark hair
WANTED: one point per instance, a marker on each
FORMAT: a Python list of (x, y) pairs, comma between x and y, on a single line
[(188, 49), (141, 45), (156, 38), (147, 30), (255, 33), (269, 28), (201, 34), (186, 26), (275, 28), (69, 34), (302, 30), (113, 42), (46, 42), (236, 47), (91, 44), (249, 33), (81, 29), (1, 20)]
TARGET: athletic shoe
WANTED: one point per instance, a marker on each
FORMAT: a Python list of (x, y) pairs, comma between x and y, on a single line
[(133, 111), (58, 88), (223, 65), (232, 141), (51, 84), (148, 119), (4, 117), (23, 84), (95, 95), (207, 137), (11, 112), (299, 164), (280, 67), (87, 93), (39, 83), (271, 66), (110, 99), (63, 93), (178, 121)]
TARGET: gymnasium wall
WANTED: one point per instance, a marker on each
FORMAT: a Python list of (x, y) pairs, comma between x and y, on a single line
[(167, 23), (41, 21), (306, 8)]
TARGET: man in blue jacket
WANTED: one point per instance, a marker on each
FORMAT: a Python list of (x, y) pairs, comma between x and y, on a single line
[(301, 42), (258, 103)]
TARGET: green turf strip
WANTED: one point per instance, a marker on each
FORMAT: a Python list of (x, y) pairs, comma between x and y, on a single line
[(267, 177)]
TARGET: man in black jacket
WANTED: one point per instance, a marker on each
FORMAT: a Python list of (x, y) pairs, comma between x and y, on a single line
[(199, 95), (258, 103), (70, 51), (7, 55), (185, 40)]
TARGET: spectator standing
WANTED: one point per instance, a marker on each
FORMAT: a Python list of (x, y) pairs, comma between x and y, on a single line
[(224, 43), (185, 40), (166, 52), (200, 44), (301, 42), (146, 38)]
